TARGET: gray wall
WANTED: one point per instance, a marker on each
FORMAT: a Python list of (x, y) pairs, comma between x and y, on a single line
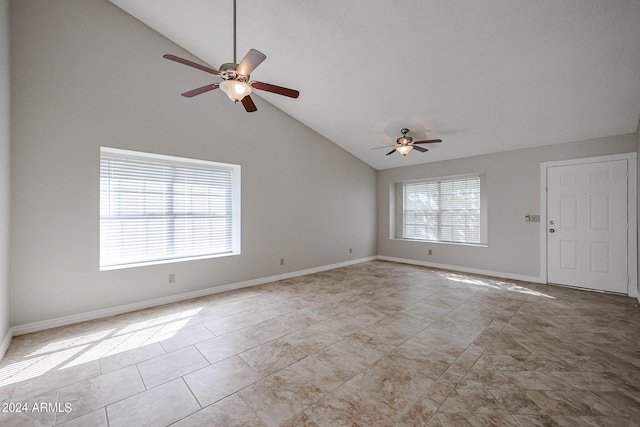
[(638, 199), (512, 189), (87, 75), (4, 167)]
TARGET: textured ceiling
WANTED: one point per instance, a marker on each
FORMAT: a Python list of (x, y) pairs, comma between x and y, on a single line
[(483, 75)]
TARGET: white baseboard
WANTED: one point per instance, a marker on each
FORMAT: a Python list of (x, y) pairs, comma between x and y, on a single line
[(4, 345), (499, 274), (97, 314)]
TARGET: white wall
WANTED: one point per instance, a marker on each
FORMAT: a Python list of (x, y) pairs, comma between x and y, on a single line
[(86, 74), (512, 189), (4, 168)]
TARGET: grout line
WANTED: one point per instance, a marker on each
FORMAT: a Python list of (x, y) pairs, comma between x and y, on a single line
[(194, 396)]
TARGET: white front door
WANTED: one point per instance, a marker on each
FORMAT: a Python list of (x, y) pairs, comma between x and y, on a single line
[(587, 225)]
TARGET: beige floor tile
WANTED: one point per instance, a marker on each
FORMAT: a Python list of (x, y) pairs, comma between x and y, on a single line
[(500, 362), (430, 361), (225, 346), (627, 402), (130, 357), (21, 420), (300, 420), (280, 397), (351, 355), (159, 406), (325, 375), (266, 331), (39, 410), (224, 325), (55, 378), (403, 321), (272, 356), (393, 381), (489, 379), (186, 337), (572, 403), (221, 379), (170, 366), (97, 418), (442, 341), (348, 406), (390, 344), (94, 393), (312, 339), (228, 412), (586, 421)]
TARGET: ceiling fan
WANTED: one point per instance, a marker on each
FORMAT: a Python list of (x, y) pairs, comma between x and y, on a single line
[(235, 76), (405, 143)]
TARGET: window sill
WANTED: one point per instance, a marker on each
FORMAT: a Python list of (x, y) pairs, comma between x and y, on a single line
[(166, 261), (430, 242)]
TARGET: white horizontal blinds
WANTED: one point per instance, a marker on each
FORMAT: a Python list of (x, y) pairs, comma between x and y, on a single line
[(421, 206), (446, 210), (154, 209)]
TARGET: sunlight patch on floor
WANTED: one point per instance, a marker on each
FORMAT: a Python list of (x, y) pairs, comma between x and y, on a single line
[(85, 348)]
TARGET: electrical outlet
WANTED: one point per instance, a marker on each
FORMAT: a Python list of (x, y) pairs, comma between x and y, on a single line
[(281, 261), (172, 278), (430, 252), (350, 250)]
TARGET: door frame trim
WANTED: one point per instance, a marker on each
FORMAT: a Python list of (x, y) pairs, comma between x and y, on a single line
[(632, 236)]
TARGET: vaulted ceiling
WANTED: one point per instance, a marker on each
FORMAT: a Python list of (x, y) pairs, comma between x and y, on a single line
[(483, 75)]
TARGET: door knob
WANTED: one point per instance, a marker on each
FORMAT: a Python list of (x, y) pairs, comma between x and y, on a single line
[(551, 230)]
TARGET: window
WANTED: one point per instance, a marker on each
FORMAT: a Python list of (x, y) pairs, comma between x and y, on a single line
[(156, 208), (443, 210)]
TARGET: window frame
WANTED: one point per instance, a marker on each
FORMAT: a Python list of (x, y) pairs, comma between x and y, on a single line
[(235, 228), (397, 209)]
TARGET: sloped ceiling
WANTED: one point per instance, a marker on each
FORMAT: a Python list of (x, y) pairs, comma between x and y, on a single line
[(483, 75)]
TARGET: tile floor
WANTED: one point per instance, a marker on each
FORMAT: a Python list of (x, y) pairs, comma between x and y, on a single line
[(374, 344)]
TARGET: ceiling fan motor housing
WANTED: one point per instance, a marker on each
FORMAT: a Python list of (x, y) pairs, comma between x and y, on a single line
[(228, 71)]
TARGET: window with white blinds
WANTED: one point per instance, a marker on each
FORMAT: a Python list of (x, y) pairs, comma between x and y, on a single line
[(443, 210), (156, 208)]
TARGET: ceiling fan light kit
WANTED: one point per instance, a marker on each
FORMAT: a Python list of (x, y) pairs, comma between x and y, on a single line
[(235, 77), (235, 90), (404, 149)]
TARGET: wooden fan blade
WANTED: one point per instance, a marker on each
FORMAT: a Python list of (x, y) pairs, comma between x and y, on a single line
[(429, 141), (378, 148), (248, 104), (198, 91), (191, 64), (391, 152), (422, 150), (291, 93), (251, 60)]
